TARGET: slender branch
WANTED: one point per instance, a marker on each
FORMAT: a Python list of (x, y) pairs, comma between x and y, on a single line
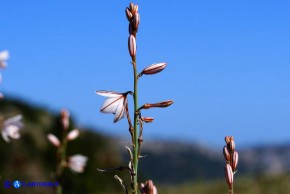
[(131, 128), (140, 139), (61, 155)]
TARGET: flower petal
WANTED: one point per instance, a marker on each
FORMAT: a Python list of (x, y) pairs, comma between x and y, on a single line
[(110, 105), (119, 114), (4, 55), (110, 94), (16, 120), (77, 163), (5, 136), (13, 131)]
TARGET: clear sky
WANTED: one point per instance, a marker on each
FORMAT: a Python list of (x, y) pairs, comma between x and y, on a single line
[(228, 64)]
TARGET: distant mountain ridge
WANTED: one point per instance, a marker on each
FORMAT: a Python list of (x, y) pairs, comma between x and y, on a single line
[(169, 161), (166, 161)]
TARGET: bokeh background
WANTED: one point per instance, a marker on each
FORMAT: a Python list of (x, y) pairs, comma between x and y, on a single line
[(228, 73)]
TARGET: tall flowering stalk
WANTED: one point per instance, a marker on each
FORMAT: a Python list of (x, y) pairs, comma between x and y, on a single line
[(76, 162), (231, 157), (117, 103)]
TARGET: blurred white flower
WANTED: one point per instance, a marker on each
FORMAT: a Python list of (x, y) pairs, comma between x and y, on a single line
[(77, 163), (53, 140), (73, 134), (4, 55), (115, 103), (11, 128)]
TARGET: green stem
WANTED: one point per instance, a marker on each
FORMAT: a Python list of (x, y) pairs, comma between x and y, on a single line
[(136, 131), (59, 189), (61, 162), (232, 189)]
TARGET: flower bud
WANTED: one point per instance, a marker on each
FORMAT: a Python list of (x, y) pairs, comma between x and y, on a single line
[(73, 134), (128, 14), (64, 116), (132, 46), (163, 104), (226, 153), (134, 9), (232, 145), (235, 159), (136, 21), (153, 69), (147, 119), (131, 6), (228, 139), (53, 140), (229, 175), (148, 188)]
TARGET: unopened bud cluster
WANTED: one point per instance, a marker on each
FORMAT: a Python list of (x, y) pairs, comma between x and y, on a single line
[(148, 188), (231, 158), (133, 17)]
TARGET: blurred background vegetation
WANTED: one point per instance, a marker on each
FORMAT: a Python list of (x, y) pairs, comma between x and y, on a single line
[(175, 167)]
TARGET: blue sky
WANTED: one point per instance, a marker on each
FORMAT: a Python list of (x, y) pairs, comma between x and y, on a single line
[(228, 64)]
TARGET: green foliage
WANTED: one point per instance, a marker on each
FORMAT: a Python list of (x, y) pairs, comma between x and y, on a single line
[(32, 157), (278, 184)]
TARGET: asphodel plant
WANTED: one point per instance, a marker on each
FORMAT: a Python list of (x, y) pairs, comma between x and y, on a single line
[(117, 103)]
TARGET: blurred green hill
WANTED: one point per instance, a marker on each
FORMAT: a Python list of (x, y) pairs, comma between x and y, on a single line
[(175, 167), (32, 157)]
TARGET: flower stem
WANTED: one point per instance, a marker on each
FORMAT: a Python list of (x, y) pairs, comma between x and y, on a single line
[(61, 152), (136, 131)]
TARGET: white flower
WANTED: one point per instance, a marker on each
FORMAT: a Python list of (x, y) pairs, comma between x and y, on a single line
[(53, 140), (4, 55), (11, 128), (115, 103), (77, 163), (73, 134)]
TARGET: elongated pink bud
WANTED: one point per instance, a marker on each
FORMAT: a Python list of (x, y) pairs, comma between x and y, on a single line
[(230, 143), (73, 134), (136, 21), (235, 161), (134, 9), (53, 140), (128, 14), (131, 6), (64, 116), (153, 69), (132, 46), (228, 139), (147, 119), (229, 175), (163, 104), (226, 154)]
